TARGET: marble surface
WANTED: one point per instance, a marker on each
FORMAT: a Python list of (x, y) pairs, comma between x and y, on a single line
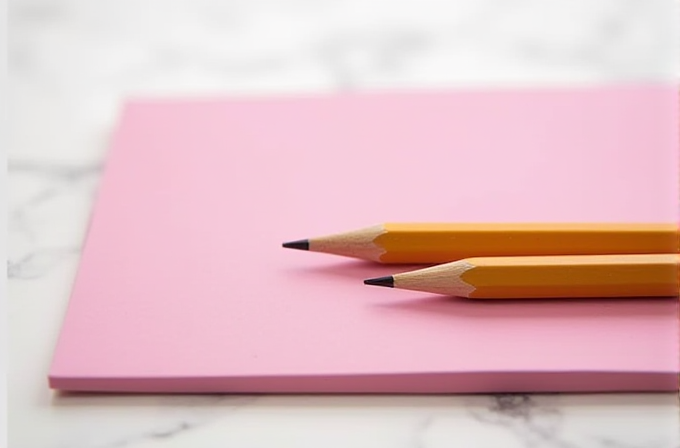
[(73, 61)]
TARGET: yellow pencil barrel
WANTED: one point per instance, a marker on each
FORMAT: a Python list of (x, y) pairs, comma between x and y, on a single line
[(440, 243), (568, 276), (576, 276)]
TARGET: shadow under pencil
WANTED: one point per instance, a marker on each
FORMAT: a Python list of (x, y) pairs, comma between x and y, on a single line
[(532, 308)]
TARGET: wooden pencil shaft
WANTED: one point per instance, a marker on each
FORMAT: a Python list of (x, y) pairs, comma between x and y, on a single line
[(399, 243), (649, 275)]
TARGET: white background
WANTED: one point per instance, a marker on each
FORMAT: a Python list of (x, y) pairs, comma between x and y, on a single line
[(73, 61), (3, 216)]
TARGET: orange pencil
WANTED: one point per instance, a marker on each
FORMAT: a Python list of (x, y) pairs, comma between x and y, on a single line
[(578, 276), (409, 243)]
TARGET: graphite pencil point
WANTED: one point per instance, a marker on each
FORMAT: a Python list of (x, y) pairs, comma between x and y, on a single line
[(381, 281), (298, 244)]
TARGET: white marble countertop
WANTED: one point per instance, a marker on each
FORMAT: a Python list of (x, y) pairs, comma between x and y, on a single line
[(73, 61)]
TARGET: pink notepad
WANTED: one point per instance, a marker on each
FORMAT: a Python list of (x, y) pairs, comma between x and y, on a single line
[(184, 287)]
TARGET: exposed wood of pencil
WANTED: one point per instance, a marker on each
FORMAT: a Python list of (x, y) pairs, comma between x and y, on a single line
[(578, 276), (394, 243)]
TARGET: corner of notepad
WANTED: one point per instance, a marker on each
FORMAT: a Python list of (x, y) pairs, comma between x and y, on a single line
[(56, 382), (57, 375)]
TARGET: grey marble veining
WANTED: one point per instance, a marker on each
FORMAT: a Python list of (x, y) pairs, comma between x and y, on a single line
[(72, 63)]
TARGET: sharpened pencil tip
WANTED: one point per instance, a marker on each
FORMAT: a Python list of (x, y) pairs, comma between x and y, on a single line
[(381, 281), (298, 244)]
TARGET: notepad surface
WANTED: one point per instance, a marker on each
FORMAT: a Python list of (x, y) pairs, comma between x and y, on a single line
[(183, 285)]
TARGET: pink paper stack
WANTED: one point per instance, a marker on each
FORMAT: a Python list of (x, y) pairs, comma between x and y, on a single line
[(184, 287)]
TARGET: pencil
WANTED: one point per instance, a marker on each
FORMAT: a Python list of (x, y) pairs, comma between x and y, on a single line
[(577, 276), (412, 243)]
